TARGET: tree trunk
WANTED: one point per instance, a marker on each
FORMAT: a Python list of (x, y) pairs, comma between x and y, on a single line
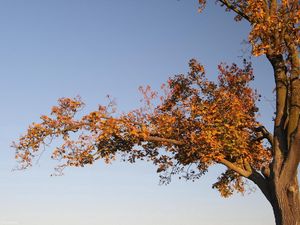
[(281, 185), (285, 200)]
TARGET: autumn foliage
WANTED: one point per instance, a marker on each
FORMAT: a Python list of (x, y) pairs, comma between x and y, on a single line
[(193, 123), (196, 122), (272, 23)]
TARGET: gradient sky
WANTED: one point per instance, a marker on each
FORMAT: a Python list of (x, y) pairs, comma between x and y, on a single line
[(58, 48)]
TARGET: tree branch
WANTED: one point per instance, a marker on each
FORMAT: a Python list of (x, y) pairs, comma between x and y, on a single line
[(265, 134), (247, 172), (261, 182), (293, 158), (230, 165), (235, 9), (251, 174), (279, 142), (159, 139)]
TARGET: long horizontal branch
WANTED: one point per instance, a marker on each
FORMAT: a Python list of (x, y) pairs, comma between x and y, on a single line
[(243, 172), (246, 173)]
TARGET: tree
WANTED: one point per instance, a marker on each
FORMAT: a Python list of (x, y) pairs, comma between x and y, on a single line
[(197, 123)]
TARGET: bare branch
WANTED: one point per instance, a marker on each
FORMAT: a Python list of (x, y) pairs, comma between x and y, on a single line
[(230, 165), (235, 9), (265, 134), (251, 174), (261, 182)]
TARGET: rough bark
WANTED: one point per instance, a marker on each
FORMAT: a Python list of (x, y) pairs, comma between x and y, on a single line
[(281, 187), (283, 195), (285, 201)]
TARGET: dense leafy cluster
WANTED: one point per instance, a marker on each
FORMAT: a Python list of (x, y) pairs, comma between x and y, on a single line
[(274, 24), (196, 123)]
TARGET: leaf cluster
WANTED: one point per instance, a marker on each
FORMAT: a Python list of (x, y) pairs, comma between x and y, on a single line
[(195, 124)]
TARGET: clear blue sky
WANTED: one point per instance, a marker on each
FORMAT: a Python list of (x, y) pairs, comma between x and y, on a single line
[(56, 48)]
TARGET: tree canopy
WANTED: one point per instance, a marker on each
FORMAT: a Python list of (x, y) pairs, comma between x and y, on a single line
[(196, 123), (193, 122)]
